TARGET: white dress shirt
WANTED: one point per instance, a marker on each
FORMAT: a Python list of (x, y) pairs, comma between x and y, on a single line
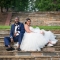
[(16, 30)]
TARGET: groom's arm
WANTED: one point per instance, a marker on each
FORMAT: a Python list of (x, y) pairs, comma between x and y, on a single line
[(11, 32), (22, 29)]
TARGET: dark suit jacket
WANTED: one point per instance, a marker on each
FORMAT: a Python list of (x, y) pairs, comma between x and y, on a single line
[(20, 28)]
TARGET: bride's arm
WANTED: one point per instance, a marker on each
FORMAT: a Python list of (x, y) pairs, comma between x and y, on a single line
[(27, 29)]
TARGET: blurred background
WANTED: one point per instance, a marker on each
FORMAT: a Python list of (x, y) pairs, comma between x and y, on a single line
[(29, 5)]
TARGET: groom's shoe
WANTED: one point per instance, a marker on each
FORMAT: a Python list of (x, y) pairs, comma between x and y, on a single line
[(10, 49), (18, 49)]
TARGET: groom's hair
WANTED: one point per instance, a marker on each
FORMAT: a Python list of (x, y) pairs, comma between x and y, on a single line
[(17, 17)]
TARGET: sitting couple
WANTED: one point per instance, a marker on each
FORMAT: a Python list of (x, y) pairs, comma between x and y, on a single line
[(28, 38)]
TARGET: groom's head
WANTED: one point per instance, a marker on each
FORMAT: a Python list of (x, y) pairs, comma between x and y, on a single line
[(16, 20)]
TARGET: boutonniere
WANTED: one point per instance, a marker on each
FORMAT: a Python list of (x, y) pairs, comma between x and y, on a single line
[(18, 26)]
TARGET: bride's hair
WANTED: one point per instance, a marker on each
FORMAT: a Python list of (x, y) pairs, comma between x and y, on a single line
[(27, 20)]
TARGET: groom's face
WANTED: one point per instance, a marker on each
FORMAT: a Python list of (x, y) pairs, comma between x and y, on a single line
[(16, 20)]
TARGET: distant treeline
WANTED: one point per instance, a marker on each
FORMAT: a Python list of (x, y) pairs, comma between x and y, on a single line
[(22, 5)]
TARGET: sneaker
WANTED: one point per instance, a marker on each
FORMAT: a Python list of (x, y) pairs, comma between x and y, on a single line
[(10, 49), (50, 44), (18, 49)]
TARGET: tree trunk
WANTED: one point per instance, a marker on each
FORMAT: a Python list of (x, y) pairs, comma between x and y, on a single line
[(7, 9), (1, 9)]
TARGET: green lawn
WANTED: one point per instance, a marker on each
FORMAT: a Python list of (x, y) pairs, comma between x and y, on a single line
[(49, 27), (4, 27), (41, 27)]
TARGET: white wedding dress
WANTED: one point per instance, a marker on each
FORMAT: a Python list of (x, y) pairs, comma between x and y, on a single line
[(35, 40)]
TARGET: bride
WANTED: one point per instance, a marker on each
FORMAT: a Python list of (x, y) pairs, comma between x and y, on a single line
[(34, 39)]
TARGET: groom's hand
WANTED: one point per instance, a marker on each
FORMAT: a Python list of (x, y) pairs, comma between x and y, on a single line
[(12, 40), (15, 34)]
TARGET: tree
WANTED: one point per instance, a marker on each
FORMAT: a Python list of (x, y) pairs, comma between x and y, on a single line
[(47, 5), (19, 5), (1, 5), (5, 3)]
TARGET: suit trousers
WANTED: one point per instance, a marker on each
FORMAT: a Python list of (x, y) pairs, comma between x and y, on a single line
[(7, 40)]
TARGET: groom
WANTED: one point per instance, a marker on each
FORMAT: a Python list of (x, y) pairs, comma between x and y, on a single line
[(16, 35)]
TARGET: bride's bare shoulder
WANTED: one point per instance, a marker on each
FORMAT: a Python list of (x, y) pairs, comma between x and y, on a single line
[(26, 25)]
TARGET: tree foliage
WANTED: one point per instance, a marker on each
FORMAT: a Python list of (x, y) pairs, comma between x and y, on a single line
[(18, 5), (5, 3), (24, 5), (47, 5)]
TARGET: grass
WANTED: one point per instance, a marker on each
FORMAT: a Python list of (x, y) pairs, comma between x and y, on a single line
[(49, 27), (2, 27)]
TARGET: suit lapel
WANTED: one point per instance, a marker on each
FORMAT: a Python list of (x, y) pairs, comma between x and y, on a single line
[(19, 25), (14, 28)]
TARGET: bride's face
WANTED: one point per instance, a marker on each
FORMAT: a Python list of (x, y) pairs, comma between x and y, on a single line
[(28, 22)]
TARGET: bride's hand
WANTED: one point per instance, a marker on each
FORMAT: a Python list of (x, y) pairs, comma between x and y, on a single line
[(42, 32)]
